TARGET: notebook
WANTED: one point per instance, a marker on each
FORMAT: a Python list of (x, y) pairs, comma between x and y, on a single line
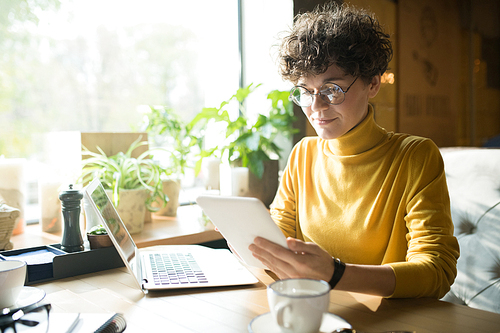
[(172, 267), (64, 322)]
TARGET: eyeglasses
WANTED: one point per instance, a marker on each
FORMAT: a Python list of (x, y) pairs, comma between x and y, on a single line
[(330, 92), (31, 319)]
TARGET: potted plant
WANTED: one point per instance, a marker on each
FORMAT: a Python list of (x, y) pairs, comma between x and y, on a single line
[(177, 137), (251, 143), (98, 237), (133, 183)]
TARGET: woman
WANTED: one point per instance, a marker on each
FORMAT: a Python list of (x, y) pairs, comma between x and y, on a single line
[(375, 201)]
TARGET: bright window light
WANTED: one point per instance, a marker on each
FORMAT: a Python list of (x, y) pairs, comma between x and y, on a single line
[(89, 64)]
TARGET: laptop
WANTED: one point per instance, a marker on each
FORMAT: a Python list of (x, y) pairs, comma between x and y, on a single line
[(172, 266)]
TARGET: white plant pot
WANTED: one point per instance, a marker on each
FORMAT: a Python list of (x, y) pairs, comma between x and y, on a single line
[(239, 181), (210, 167), (132, 208), (172, 189), (233, 180)]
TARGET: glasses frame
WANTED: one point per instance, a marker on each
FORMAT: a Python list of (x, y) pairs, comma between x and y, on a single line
[(322, 95), (9, 317)]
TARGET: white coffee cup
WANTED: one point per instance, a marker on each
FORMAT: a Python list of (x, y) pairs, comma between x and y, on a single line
[(298, 305), (12, 277)]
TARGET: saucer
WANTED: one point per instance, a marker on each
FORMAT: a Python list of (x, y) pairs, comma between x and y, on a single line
[(266, 324), (28, 296)]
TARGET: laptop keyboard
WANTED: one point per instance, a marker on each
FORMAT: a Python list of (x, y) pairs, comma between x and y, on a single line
[(175, 268)]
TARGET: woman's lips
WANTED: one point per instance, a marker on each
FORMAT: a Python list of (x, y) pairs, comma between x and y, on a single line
[(322, 122)]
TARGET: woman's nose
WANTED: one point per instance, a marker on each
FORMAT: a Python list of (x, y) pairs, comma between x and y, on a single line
[(319, 103)]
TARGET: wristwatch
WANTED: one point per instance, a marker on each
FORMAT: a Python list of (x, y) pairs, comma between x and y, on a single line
[(338, 271)]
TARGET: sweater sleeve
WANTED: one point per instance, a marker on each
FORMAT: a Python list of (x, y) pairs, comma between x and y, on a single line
[(283, 209), (430, 266)]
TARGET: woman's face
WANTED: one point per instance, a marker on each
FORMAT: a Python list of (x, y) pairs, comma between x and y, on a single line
[(333, 121)]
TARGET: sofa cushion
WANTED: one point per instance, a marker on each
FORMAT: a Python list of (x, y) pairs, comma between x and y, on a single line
[(473, 177)]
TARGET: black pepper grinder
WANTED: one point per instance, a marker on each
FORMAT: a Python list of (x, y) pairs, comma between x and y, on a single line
[(72, 238)]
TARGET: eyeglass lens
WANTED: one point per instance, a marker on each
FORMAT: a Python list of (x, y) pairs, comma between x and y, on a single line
[(35, 321), (330, 92)]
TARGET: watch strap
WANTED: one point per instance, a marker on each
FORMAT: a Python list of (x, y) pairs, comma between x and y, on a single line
[(338, 271)]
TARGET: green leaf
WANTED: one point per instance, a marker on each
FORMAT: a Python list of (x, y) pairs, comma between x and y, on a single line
[(242, 93), (261, 121), (257, 168), (280, 101), (252, 141)]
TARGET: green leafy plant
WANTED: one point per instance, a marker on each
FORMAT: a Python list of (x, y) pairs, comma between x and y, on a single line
[(98, 230), (124, 172), (178, 136), (249, 142)]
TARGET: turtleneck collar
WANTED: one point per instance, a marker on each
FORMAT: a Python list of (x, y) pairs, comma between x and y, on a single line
[(361, 138)]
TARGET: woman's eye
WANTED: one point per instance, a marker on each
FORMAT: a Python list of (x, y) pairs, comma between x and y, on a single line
[(331, 89)]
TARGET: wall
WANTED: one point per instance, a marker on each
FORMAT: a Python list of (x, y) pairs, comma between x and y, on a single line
[(479, 118), (446, 69), (385, 103), (428, 77)]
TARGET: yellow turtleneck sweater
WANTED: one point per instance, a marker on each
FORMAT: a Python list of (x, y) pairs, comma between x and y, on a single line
[(373, 197)]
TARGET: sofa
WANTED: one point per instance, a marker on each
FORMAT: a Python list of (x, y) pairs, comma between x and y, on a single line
[(473, 177)]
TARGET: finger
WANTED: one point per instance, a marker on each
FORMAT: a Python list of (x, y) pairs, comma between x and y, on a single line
[(266, 253), (277, 257), (272, 266), (298, 246), (300, 260), (262, 242), (275, 249)]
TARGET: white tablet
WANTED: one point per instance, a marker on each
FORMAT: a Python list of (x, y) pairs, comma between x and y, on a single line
[(240, 220)]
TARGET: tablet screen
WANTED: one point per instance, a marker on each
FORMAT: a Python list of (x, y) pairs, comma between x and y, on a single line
[(240, 220)]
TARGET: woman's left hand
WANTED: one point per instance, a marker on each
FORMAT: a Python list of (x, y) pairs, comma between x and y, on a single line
[(300, 260)]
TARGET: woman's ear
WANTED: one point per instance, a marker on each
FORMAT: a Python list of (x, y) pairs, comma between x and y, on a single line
[(374, 86)]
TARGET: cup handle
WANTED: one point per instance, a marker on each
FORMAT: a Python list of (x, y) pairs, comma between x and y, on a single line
[(280, 312)]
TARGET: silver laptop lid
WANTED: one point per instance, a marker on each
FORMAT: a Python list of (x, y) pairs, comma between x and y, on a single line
[(219, 265), (117, 231)]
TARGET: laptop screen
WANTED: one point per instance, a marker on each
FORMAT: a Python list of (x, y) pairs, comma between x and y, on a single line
[(199, 266), (113, 222)]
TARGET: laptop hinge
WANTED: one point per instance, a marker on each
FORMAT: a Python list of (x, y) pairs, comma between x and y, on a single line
[(140, 270)]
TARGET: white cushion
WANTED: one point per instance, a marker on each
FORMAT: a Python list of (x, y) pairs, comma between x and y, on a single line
[(473, 177)]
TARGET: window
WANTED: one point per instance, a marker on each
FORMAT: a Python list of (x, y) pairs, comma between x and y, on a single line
[(263, 22), (87, 65), (92, 65)]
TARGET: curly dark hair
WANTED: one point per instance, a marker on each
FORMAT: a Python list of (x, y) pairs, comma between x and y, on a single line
[(335, 34)]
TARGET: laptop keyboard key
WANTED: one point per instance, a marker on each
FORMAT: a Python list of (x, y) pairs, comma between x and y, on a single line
[(175, 269)]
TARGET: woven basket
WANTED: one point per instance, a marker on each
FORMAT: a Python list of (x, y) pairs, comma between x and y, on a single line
[(8, 216)]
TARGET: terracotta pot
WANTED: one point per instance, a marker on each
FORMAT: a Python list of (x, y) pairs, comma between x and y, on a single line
[(98, 241)]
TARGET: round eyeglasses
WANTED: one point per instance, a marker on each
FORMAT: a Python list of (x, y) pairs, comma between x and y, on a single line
[(330, 92), (30, 319)]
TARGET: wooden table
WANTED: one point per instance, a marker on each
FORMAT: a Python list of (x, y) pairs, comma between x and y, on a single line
[(186, 228), (231, 309)]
